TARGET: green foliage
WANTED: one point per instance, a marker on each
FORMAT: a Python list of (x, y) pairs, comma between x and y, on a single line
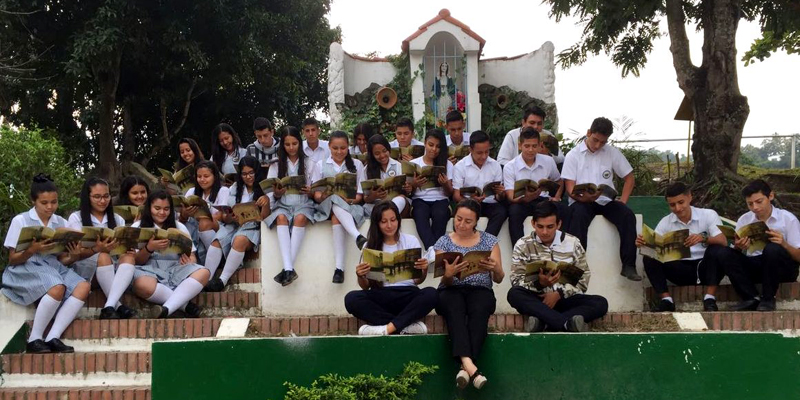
[(640, 160), (780, 28), (775, 152), (363, 386)]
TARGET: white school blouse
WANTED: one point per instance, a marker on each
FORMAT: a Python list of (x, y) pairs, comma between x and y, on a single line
[(467, 173), (328, 168), (18, 222), (780, 220), (583, 166), (178, 225), (320, 153), (394, 144), (702, 220), (221, 200), (229, 164), (464, 141), (75, 221), (291, 170), (405, 242), (434, 193)]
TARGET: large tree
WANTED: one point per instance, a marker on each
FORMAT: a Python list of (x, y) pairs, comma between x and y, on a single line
[(626, 29)]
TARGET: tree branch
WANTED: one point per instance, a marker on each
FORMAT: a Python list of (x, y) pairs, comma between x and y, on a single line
[(679, 46), (166, 135)]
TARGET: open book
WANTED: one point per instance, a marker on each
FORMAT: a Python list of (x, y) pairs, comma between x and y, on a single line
[(129, 238), (472, 257), (457, 152), (183, 178), (60, 236), (757, 232), (523, 186), (667, 247), (488, 190), (292, 184), (429, 172), (570, 273), (591, 189), (128, 213), (246, 212), (343, 184), (203, 208), (360, 157), (392, 267), (393, 186), (415, 150)]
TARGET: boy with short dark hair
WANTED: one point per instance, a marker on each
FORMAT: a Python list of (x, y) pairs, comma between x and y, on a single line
[(404, 136), (265, 148), (477, 170), (592, 161), (777, 262), (532, 117), (454, 123), (314, 147)]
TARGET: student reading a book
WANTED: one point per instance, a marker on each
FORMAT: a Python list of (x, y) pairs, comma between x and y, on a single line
[(395, 307), (709, 250), (404, 137), (189, 153), (208, 186), (531, 165), (133, 191), (96, 210), (454, 124), (477, 171), (290, 210), (466, 304), (265, 148), (361, 134), (380, 165), (32, 276), (553, 299), (346, 214), (232, 239), (226, 148), (531, 117), (592, 161), (168, 280), (771, 259), (431, 206), (315, 148)]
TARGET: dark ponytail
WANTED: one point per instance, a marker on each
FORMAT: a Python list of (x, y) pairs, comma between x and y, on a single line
[(42, 183)]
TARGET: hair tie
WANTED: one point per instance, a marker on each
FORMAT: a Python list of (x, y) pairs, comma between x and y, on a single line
[(42, 178)]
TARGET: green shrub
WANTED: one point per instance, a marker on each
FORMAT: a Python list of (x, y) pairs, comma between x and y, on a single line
[(363, 386)]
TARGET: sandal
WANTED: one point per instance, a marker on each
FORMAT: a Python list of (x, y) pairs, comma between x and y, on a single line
[(478, 380), (462, 379)]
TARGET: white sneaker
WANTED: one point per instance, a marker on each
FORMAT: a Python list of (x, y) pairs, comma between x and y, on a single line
[(416, 328), (372, 330)]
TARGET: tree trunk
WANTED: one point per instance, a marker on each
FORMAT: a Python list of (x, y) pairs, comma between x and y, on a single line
[(128, 137), (107, 77)]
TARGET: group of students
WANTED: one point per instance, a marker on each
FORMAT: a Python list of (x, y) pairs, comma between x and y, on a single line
[(559, 231)]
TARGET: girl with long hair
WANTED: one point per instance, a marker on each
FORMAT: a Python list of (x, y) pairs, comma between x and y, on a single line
[(431, 206), (208, 185), (380, 165), (226, 148)]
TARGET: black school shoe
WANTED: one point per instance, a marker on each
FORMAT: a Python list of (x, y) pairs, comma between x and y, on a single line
[(57, 346), (361, 241), (288, 277), (108, 313), (710, 305), (629, 271), (664, 306), (37, 346), (280, 277), (215, 285), (746, 305), (125, 312), (766, 305), (158, 311), (338, 276), (192, 310)]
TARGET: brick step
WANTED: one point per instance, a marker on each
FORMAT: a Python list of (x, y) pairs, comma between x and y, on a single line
[(76, 363), (170, 328), (752, 321), (213, 303), (725, 293), (82, 393)]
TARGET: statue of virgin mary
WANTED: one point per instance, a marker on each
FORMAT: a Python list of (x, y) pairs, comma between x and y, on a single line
[(444, 91)]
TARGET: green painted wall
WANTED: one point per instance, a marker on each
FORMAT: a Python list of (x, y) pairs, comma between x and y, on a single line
[(652, 208), (538, 366)]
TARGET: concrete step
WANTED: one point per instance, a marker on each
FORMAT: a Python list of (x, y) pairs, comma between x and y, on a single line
[(77, 393), (690, 298)]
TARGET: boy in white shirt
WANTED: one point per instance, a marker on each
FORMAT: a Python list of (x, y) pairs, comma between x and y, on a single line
[(777, 262), (404, 137), (594, 162), (478, 170), (314, 147), (532, 117)]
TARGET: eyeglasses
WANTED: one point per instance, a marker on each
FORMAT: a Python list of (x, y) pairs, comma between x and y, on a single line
[(98, 197), (248, 174)]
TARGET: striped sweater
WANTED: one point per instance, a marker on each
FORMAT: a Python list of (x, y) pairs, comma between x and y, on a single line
[(565, 247)]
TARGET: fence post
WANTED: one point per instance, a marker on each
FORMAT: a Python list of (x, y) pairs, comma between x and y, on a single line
[(794, 147)]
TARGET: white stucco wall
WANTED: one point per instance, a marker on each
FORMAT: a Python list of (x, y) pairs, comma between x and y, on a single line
[(533, 73), (359, 74)]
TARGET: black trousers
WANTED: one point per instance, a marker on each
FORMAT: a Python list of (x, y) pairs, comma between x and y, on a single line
[(708, 270), (431, 219), (466, 310), (526, 302), (399, 305), (518, 212), (618, 214), (772, 267), (497, 214)]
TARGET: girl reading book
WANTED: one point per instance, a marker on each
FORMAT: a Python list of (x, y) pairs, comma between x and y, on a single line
[(133, 191), (380, 165), (234, 239), (209, 187), (189, 153), (33, 275), (431, 203), (390, 307), (226, 148), (361, 134)]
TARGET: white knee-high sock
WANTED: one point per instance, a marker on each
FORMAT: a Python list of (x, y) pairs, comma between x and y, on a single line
[(64, 317), (44, 313), (186, 291), (233, 262), (298, 233), (400, 202), (160, 295), (285, 243), (105, 277), (338, 246), (122, 279), (213, 257), (207, 237), (346, 220)]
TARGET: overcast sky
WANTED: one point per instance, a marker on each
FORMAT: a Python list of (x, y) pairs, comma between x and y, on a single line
[(596, 88)]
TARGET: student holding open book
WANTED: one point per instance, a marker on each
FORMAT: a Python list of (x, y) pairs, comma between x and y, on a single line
[(32, 274), (189, 153), (467, 302), (234, 239), (346, 214), (483, 176), (550, 277), (226, 148), (290, 210), (431, 199), (768, 256), (133, 192), (97, 211), (405, 137), (380, 165), (390, 307), (708, 250), (168, 280), (208, 186)]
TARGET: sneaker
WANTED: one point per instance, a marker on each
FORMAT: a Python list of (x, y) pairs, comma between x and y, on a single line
[(766, 305), (215, 285), (37, 346), (192, 310), (158, 311), (533, 324), (746, 305), (108, 313), (577, 324), (372, 330), (280, 277), (57, 346), (338, 276), (288, 277), (710, 305), (664, 306), (462, 379), (361, 241), (629, 271), (416, 328), (125, 312)]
